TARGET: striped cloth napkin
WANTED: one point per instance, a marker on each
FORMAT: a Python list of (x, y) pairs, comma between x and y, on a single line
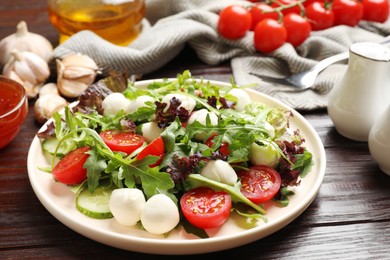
[(170, 25)]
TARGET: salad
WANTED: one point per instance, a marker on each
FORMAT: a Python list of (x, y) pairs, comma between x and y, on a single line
[(179, 152)]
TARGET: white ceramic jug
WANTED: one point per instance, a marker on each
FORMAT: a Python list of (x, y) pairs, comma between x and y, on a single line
[(379, 141), (363, 93)]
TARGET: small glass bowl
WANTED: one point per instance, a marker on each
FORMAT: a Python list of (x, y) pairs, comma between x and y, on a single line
[(13, 109)]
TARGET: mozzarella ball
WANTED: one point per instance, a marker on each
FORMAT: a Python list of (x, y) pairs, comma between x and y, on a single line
[(187, 102), (160, 214), (221, 171), (201, 117), (242, 96), (264, 155), (150, 131), (114, 103), (139, 102), (126, 205)]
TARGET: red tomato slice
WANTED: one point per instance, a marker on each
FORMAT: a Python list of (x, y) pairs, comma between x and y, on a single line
[(118, 141), (259, 183), (70, 169), (156, 148), (205, 208), (224, 148)]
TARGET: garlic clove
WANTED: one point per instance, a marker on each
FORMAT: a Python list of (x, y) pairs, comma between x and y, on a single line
[(46, 105), (49, 88), (23, 40), (71, 88), (80, 60), (77, 72), (38, 66)]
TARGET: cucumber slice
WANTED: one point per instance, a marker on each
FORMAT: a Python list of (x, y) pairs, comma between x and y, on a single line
[(50, 144), (96, 204)]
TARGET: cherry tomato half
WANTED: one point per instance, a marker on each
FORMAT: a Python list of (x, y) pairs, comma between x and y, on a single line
[(118, 141), (260, 11), (224, 148), (319, 16), (259, 183), (156, 148), (70, 169), (234, 21), (269, 35), (298, 28), (375, 10), (205, 208), (347, 12)]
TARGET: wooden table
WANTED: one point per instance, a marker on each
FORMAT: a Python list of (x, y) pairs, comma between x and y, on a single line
[(349, 219)]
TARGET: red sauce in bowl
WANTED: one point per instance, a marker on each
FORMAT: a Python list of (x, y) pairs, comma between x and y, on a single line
[(13, 109)]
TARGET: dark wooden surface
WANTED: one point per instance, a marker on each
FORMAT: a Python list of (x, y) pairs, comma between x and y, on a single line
[(349, 219)]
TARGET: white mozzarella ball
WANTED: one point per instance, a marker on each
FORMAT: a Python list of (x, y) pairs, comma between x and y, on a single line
[(160, 214), (187, 102), (115, 102), (126, 205), (201, 116), (221, 171), (138, 103), (151, 131), (264, 155), (242, 96)]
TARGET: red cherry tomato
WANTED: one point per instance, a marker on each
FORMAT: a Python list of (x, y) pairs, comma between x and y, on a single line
[(156, 148), (294, 9), (259, 183), (205, 208), (298, 28), (234, 21), (375, 10), (118, 141), (269, 35), (319, 16), (347, 12), (309, 2), (261, 11), (224, 148), (70, 169)]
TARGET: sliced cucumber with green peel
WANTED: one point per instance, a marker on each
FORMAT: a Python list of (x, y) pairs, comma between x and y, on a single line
[(96, 204), (50, 144)]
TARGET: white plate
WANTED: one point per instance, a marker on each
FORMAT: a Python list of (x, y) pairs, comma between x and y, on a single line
[(60, 202)]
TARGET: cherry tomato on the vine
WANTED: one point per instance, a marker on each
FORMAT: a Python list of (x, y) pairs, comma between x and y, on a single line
[(347, 12), (260, 11), (259, 183), (375, 10), (282, 3), (269, 35), (298, 28), (319, 16), (234, 22)]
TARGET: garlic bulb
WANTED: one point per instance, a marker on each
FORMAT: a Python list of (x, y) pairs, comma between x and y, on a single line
[(23, 40), (28, 69), (48, 103), (75, 73)]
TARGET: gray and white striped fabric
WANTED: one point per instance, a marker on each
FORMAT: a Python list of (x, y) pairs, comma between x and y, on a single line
[(170, 25)]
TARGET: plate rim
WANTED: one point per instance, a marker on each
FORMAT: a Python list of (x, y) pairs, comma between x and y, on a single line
[(189, 246)]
